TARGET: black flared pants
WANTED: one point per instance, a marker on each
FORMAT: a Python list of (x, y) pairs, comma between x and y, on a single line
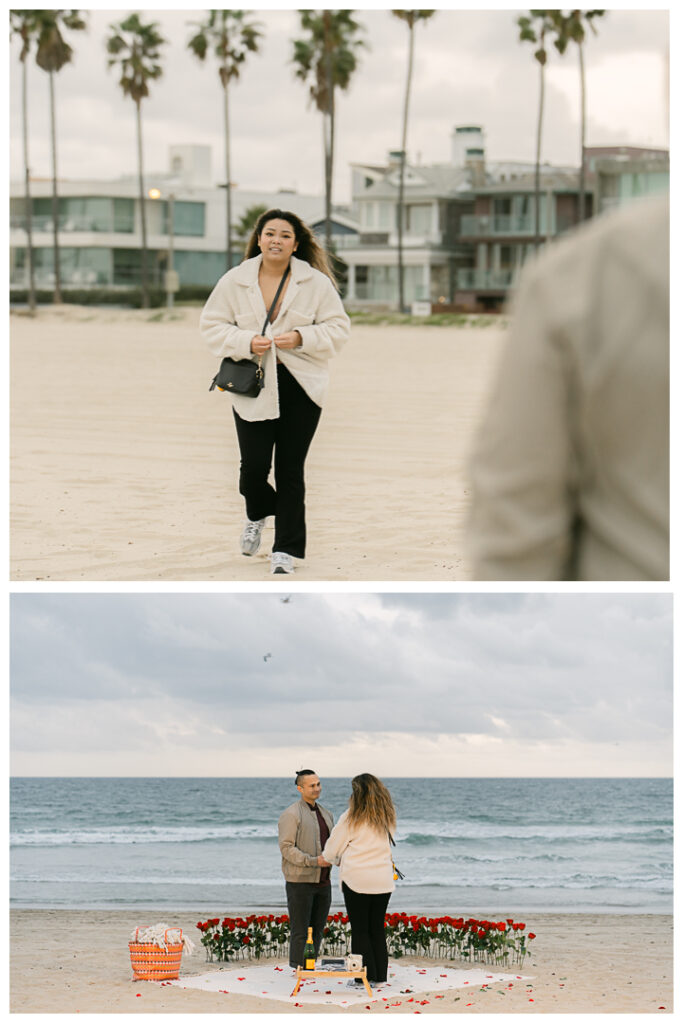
[(366, 916), (290, 436)]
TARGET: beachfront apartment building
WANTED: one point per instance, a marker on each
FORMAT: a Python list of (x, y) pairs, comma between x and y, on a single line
[(467, 227), (470, 225)]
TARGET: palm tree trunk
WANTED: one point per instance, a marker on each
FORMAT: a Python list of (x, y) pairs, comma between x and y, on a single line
[(27, 201), (57, 294), (401, 180), (582, 168), (328, 210), (143, 214), (228, 196), (537, 180), (329, 139)]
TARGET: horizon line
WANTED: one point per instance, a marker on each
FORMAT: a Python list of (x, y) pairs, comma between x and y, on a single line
[(289, 777)]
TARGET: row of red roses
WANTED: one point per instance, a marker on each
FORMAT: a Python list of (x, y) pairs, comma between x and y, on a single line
[(474, 939)]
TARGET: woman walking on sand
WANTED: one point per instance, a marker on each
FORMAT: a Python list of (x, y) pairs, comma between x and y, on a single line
[(360, 844), (307, 326)]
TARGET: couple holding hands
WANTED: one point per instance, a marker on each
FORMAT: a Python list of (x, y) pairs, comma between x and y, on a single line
[(360, 845)]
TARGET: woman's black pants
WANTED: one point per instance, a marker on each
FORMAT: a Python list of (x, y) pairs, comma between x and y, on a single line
[(366, 916), (290, 435)]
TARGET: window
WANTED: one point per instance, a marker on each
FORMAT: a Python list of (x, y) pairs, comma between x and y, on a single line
[(419, 218), (385, 215), (124, 216), (188, 218), (199, 267), (85, 213), (78, 267)]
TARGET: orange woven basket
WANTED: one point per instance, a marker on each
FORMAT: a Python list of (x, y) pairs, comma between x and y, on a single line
[(151, 963)]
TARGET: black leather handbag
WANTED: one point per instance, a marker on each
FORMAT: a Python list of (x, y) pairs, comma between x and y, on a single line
[(244, 376)]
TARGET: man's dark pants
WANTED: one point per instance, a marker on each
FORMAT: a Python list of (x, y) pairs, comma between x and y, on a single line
[(308, 905)]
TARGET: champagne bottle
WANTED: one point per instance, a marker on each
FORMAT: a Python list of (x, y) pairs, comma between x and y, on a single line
[(309, 952)]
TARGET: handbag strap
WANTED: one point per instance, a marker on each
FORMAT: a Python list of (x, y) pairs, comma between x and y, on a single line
[(277, 296)]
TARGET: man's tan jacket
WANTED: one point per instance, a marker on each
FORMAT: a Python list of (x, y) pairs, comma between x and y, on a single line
[(299, 839)]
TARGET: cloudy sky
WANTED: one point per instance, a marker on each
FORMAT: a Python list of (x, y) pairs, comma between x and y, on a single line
[(401, 685), (469, 68)]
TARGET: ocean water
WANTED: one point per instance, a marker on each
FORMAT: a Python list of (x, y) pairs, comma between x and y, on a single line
[(475, 846)]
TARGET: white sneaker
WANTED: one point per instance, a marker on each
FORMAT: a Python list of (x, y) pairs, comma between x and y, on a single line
[(250, 541), (281, 562)]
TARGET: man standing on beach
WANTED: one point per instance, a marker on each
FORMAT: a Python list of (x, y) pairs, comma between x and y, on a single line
[(303, 829)]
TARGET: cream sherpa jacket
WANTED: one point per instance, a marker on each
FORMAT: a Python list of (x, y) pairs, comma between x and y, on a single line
[(363, 855), (235, 311)]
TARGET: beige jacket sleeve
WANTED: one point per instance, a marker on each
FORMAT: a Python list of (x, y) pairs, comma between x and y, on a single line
[(338, 840), (331, 330), (219, 324), (522, 466)]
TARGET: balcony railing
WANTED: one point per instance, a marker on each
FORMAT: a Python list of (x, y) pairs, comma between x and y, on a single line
[(473, 277), (42, 223), (386, 291), (479, 226)]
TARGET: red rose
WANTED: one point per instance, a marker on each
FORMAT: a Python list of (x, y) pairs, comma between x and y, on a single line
[(532, 935)]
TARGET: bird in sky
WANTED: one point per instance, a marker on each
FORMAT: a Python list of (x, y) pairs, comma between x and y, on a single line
[(266, 656)]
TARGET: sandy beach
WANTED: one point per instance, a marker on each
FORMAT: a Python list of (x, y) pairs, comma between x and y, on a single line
[(77, 961), (124, 466)]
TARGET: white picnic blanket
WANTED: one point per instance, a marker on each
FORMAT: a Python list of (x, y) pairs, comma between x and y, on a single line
[(404, 982)]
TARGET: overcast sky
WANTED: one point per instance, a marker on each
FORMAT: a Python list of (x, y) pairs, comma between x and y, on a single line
[(469, 68), (400, 685)]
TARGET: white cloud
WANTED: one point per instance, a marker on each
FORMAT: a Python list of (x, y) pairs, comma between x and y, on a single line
[(102, 677)]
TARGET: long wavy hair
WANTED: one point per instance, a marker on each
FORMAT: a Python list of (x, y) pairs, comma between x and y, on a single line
[(371, 804), (308, 248)]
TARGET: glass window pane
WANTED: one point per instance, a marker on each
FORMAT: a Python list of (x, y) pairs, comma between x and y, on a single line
[(188, 218), (124, 215)]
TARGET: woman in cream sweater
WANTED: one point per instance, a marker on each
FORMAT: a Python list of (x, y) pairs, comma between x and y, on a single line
[(360, 844), (308, 326)]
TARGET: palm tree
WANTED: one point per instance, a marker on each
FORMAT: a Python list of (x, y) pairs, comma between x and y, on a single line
[(410, 18), (135, 48), (570, 28), (52, 53), (327, 59), (246, 223), (537, 36), (23, 25), (232, 38)]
